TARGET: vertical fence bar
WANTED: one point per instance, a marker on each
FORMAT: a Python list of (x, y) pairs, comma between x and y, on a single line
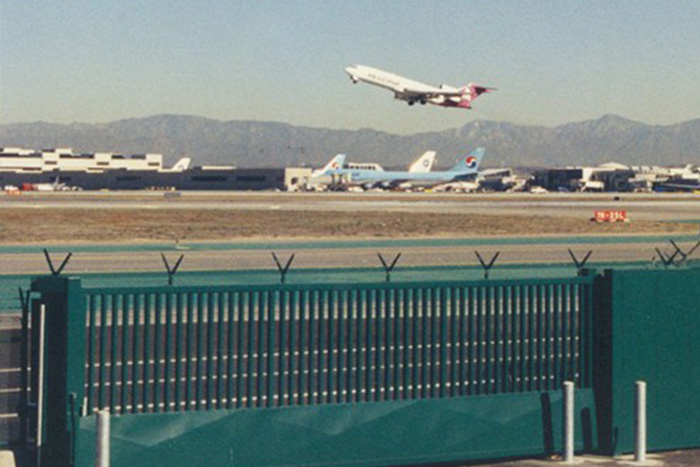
[(283, 344), (558, 374), (221, 397), (465, 383), (378, 333), (416, 315), (178, 350), (126, 312), (524, 336), (209, 368), (369, 343), (136, 352), (291, 314), (474, 346), (361, 375), (263, 329), (92, 316), (515, 354), (398, 312), (342, 324), (114, 342), (480, 362), (103, 344), (330, 377), (531, 332), (322, 330), (200, 352), (425, 317), (565, 307), (541, 338), (352, 356), (313, 385), (407, 317), (496, 313), (252, 400), (434, 326), (388, 346), (271, 346), (189, 349), (444, 316), (303, 389), (240, 363), (454, 342), (231, 381), (147, 316), (167, 351), (574, 332), (490, 338), (507, 336), (156, 352)]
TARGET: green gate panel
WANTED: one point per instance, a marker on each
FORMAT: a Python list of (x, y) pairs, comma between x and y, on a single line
[(655, 328), (383, 433)]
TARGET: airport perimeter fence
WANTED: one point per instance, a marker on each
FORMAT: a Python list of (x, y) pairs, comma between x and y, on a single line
[(356, 374)]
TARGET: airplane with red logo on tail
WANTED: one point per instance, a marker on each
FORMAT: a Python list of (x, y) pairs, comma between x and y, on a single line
[(466, 167), (414, 92)]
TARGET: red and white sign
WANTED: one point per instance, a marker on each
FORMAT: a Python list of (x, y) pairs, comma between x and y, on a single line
[(610, 216)]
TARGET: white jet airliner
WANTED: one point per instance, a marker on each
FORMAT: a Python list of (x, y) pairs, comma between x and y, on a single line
[(466, 167), (413, 91)]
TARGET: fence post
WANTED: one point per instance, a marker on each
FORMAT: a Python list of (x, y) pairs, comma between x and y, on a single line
[(102, 448), (568, 421), (64, 365), (640, 425)]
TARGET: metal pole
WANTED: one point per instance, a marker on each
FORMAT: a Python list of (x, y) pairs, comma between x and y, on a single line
[(640, 447), (102, 451), (40, 388), (568, 421)]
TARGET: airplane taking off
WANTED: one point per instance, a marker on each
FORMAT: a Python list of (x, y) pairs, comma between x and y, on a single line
[(413, 91), (466, 166)]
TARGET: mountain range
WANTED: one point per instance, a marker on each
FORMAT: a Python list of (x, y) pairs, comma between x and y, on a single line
[(273, 144)]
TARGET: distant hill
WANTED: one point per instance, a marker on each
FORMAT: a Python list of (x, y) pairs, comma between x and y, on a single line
[(269, 144)]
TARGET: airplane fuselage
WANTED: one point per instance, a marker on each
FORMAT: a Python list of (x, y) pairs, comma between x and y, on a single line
[(413, 91)]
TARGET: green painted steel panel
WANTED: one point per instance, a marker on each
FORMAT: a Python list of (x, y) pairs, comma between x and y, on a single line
[(655, 328), (386, 433)]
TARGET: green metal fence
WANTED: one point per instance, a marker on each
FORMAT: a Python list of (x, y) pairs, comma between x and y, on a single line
[(361, 374), (366, 347), (179, 349)]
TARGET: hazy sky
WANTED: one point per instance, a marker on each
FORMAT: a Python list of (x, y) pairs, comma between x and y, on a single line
[(553, 61)]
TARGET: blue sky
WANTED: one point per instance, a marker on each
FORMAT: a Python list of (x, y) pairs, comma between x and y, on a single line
[(553, 61)]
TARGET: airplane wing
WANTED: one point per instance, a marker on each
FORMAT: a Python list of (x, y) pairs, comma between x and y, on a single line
[(432, 93)]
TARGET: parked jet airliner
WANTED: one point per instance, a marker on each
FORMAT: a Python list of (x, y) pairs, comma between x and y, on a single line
[(423, 164), (466, 166), (412, 91)]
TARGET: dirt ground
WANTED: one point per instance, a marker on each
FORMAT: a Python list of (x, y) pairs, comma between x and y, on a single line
[(27, 225)]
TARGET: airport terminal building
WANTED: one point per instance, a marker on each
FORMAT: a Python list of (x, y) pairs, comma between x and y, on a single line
[(109, 171)]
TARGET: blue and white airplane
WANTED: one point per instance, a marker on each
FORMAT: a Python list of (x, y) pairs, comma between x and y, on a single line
[(466, 167)]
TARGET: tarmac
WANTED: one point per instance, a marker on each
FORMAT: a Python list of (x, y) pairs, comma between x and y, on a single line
[(684, 458)]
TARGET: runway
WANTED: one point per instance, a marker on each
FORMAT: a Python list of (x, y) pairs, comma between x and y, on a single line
[(639, 206)]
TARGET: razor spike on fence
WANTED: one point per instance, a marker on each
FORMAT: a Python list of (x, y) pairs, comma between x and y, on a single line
[(171, 271), (283, 269), (54, 271), (666, 260), (684, 255), (582, 263), (388, 268), (487, 267)]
